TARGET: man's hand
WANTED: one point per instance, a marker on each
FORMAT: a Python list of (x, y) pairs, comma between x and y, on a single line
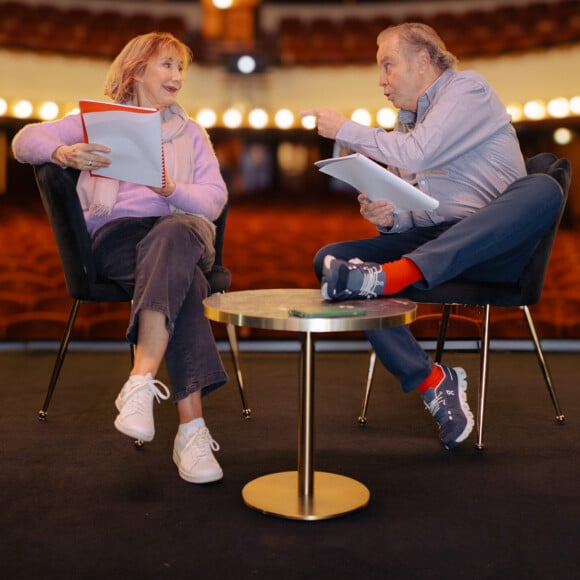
[(379, 213), (328, 121)]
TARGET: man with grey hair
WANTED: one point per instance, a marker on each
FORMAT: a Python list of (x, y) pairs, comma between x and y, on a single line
[(455, 141)]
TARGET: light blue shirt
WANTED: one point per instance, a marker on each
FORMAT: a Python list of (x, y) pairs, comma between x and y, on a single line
[(461, 148)]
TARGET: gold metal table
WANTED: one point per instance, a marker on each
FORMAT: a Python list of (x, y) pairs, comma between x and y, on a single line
[(304, 494)]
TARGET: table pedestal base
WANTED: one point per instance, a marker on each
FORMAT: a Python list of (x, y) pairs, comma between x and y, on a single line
[(277, 494)]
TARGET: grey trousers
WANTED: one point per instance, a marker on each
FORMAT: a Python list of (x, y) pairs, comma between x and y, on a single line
[(157, 260)]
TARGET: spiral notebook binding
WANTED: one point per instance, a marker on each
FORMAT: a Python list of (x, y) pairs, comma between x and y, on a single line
[(163, 179)]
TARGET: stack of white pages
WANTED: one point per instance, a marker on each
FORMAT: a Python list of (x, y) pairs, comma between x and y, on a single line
[(377, 182)]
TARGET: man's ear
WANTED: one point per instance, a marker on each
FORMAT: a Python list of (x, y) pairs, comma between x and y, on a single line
[(423, 59)]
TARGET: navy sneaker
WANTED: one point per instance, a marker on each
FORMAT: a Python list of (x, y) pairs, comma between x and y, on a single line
[(342, 280), (448, 404)]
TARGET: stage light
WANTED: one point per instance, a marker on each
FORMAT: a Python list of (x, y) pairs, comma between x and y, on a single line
[(22, 109), (309, 122), (3, 107), (206, 118), (258, 118), (246, 64), (562, 136), (232, 118), (361, 116), (575, 105), (559, 107), (222, 4), (48, 111), (386, 118), (516, 111), (535, 110), (284, 119)]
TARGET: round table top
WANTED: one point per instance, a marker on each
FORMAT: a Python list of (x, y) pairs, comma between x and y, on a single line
[(269, 309)]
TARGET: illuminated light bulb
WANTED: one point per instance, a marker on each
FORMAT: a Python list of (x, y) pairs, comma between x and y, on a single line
[(246, 64), (48, 111), (232, 118), (386, 118), (575, 105), (3, 107), (258, 118), (361, 116), (309, 122), (206, 118), (535, 110), (559, 107), (284, 118), (516, 111), (69, 109), (562, 136), (223, 4), (22, 109)]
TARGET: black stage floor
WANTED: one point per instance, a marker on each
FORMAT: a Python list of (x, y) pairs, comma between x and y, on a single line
[(78, 501)]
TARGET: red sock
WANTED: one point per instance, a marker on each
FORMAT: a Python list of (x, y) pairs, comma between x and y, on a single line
[(400, 274), (432, 380)]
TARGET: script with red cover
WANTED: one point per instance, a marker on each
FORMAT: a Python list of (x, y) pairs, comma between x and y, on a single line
[(133, 134)]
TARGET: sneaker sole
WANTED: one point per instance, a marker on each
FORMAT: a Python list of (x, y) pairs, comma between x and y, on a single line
[(325, 271), (192, 479), (462, 384), (134, 433)]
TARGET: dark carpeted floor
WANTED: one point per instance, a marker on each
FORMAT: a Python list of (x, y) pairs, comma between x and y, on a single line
[(78, 501)]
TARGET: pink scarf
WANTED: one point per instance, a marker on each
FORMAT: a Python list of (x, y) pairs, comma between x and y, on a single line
[(98, 195)]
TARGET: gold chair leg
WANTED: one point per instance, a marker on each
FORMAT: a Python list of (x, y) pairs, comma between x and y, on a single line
[(483, 366), (560, 418), (63, 349), (362, 418), (234, 349)]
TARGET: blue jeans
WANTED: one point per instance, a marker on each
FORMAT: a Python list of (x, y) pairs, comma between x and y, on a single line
[(493, 245), (156, 259)]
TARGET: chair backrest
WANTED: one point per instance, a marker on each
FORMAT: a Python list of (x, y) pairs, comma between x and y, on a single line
[(534, 274), (57, 188)]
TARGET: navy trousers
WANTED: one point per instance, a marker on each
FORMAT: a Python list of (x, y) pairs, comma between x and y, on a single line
[(493, 245)]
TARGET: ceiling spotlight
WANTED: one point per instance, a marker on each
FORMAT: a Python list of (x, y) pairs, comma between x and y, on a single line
[(246, 64), (223, 4)]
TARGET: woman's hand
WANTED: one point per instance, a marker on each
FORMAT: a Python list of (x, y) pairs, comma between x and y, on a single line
[(82, 156), (168, 189), (380, 212)]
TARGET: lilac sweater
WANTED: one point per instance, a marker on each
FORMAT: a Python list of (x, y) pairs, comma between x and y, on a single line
[(204, 194)]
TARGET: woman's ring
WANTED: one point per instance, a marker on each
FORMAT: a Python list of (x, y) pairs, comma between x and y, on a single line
[(90, 163)]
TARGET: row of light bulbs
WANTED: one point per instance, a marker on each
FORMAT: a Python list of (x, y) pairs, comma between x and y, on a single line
[(258, 118)]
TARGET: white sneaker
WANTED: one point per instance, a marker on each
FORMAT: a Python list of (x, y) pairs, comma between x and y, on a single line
[(135, 406), (194, 458)]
